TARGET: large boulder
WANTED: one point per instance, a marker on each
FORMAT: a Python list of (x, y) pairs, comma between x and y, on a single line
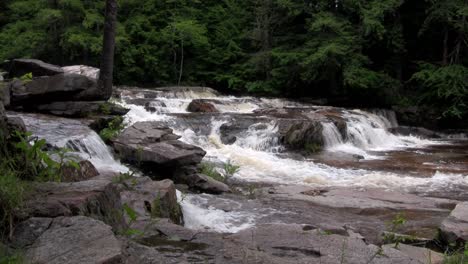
[(26, 232), (77, 240), (80, 108), (83, 172), (61, 87), (20, 67), (201, 182), (201, 106), (153, 146), (99, 199), (302, 135), (454, 229), (152, 199)]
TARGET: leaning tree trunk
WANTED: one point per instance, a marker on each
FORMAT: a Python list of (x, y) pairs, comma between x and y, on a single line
[(108, 47)]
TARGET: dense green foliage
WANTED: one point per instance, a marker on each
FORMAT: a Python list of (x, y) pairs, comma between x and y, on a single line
[(23, 161), (383, 50)]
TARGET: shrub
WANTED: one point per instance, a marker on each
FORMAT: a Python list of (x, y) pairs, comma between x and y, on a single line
[(210, 170), (229, 170), (115, 126)]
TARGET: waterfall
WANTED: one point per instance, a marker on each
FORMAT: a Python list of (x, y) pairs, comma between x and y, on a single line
[(92, 147), (261, 137), (331, 135), (72, 134)]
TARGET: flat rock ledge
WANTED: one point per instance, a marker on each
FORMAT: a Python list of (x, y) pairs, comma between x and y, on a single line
[(271, 243), (71, 240)]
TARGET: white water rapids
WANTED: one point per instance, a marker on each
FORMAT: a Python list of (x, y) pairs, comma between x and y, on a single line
[(258, 150)]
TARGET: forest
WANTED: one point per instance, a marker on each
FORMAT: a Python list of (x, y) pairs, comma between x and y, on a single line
[(355, 52)]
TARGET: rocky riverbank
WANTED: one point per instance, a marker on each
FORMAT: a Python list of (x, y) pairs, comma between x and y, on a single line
[(103, 213)]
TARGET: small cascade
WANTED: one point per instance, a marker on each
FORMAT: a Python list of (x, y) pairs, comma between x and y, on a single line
[(331, 135), (387, 116), (369, 131), (72, 134), (261, 137), (92, 147)]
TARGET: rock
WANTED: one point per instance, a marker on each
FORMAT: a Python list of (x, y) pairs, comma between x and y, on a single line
[(84, 70), (146, 132), (454, 229), (61, 87), (203, 183), (303, 136), (16, 124), (288, 243), (201, 106), (3, 122), (28, 231), (5, 93), (99, 199), (80, 108), (365, 210), (152, 199), (85, 171), (417, 131), (20, 67), (417, 254), (153, 146), (77, 240)]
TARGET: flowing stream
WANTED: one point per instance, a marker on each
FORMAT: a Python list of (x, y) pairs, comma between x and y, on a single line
[(259, 153)]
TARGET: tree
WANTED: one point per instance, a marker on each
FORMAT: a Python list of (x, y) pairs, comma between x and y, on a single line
[(107, 61)]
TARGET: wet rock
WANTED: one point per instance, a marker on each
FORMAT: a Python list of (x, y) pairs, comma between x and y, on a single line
[(98, 199), (302, 135), (201, 106), (85, 171), (203, 183), (416, 131), (20, 67), (152, 199), (28, 231), (5, 93), (80, 108), (87, 71), (454, 229), (152, 145), (76, 239), (61, 87)]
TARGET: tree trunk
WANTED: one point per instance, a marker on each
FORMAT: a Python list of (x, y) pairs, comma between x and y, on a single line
[(181, 71), (445, 52), (108, 47)]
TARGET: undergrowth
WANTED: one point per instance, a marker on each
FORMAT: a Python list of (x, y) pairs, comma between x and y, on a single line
[(24, 160), (115, 126)]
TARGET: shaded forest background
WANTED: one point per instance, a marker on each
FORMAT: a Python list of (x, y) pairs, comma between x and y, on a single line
[(353, 52)]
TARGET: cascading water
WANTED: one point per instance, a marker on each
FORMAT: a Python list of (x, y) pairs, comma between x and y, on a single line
[(73, 135), (256, 149)]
